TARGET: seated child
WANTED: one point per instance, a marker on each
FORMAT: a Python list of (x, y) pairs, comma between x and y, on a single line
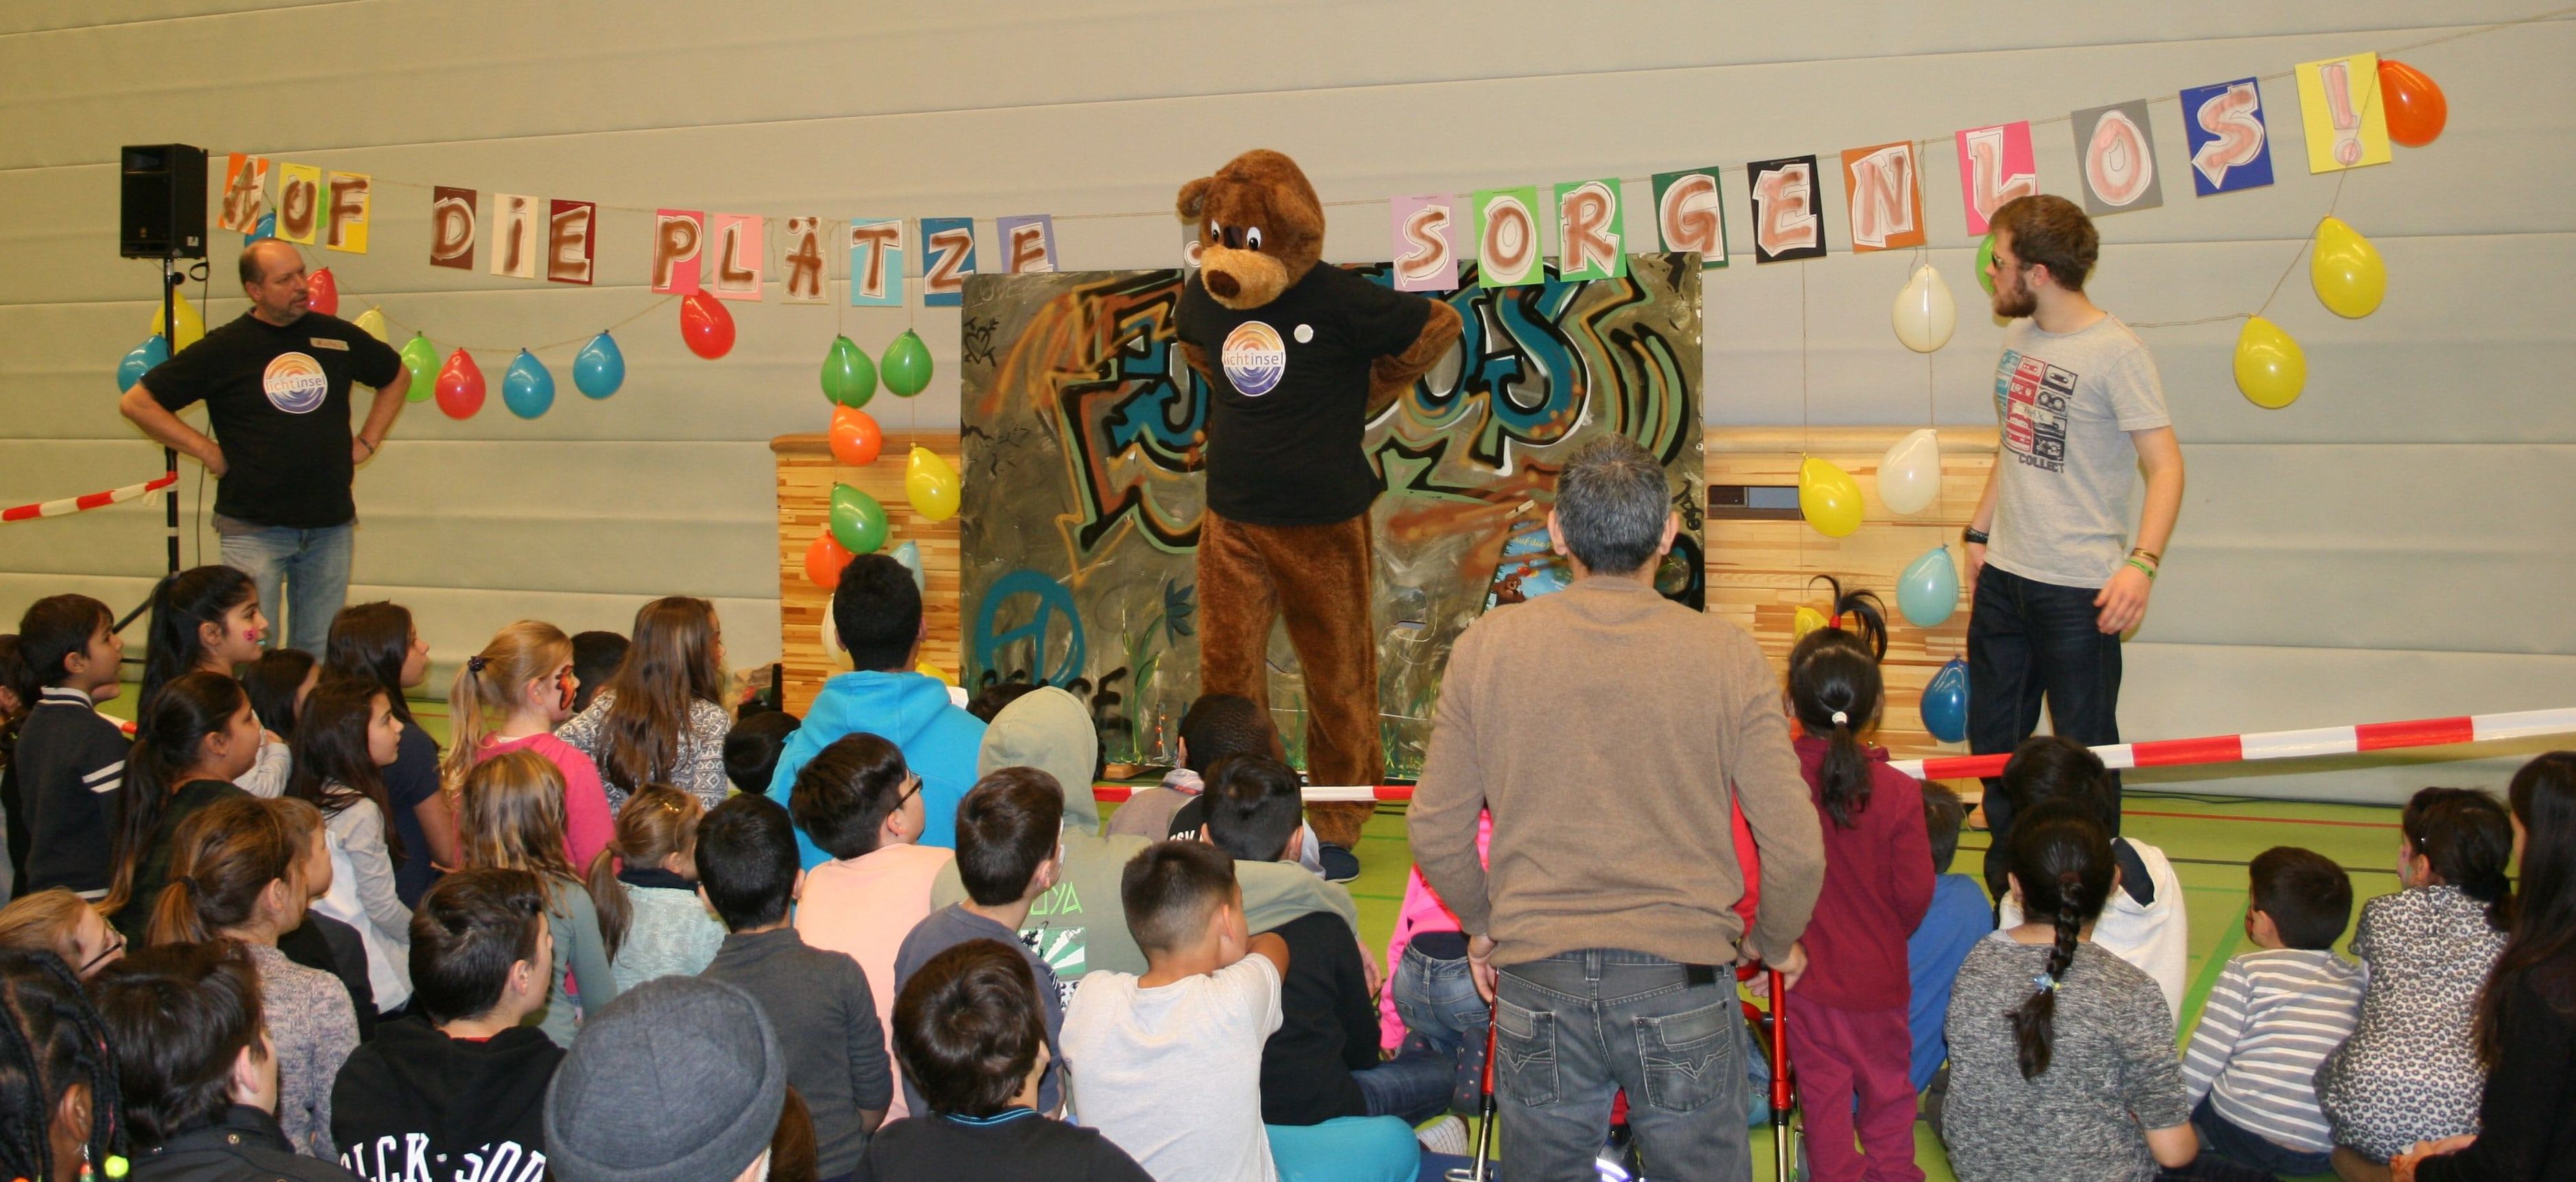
[(1957, 920), (818, 1002), (752, 746), (59, 922), (459, 1079), (1009, 831), (1186, 1037), (991, 699), (195, 1076), (69, 761), (2410, 1071), (967, 1025), (645, 887), (1323, 1062), (2272, 1018), (2145, 923), (595, 656), (1215, 726)]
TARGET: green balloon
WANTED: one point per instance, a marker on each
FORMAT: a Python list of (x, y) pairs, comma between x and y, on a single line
[(849, 378), (906, 365), (1986, 262), (421, 358), (858, 521)]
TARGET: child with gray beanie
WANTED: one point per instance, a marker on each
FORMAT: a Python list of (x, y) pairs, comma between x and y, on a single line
[(678, 1080)]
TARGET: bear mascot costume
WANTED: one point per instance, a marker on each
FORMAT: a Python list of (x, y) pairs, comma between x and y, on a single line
[(1305, 355)]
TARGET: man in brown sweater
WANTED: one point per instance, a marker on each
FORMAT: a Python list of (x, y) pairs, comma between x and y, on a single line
[(1608, 729)]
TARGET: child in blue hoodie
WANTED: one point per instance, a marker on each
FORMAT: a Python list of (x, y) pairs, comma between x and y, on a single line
[(876, 615)]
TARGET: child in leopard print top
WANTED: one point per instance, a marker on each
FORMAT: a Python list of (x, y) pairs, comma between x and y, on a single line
[(2409, 1072)]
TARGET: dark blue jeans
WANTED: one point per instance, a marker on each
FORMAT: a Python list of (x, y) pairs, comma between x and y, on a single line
[(2028, 642), (2223, 1139), (1576, 1029)]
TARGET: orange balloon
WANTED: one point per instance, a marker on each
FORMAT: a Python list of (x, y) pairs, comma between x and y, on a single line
[(856, 438), (2416, 109), (824, 561)]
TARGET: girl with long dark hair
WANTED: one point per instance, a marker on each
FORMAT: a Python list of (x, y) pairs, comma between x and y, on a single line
[(662, 716), (376, 642), (196, 737), (206, 620), (60, 1112), (349, 735)]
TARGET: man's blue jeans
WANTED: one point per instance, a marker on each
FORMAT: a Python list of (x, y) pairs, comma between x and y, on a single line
[(313, 565), (1577, 1028)]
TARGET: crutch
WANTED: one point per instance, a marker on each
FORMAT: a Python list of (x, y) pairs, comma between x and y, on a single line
[(1475, 1171), (1784, 1094)]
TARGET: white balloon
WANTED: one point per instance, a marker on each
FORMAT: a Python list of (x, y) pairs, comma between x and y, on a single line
[(1909, 475), (1925, 315)]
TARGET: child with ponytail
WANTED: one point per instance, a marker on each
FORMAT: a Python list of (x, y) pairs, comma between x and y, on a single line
[(2410, 1071), (207, 620), (645, 885), (194, 739), (1847, 1030), (510, 697), (2062, 1060), (662, 716), (512, 818)]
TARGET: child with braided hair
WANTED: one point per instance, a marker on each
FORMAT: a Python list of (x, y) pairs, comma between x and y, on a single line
[(2062, 1059), (59, 1115)]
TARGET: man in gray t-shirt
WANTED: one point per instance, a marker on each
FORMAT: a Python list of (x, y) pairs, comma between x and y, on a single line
[(2080, 413)]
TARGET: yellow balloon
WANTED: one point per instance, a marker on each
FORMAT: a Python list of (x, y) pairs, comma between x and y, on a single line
[(372, 322), (2270, 367), (1829, 498), (930, 484), (1807, 620), (191, 325), (2345, 269), (935, 673)]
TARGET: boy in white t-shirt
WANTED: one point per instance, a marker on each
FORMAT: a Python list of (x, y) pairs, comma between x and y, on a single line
[(2143, 922), (1187, 1036)]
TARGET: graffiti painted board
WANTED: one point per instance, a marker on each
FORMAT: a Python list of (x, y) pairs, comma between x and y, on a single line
[(1083, 491)]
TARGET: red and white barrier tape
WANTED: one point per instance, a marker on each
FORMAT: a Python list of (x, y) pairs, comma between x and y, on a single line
[(2330, 740), (69, 505)]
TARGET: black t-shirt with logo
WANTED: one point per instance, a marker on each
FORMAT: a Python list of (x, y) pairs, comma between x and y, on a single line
[(1290, 398), (279, 398)]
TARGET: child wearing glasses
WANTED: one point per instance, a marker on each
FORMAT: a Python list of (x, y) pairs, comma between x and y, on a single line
[(645, 885), (858, 801), (1009, 852)]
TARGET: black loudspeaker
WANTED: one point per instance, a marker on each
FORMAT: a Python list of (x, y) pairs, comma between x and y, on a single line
[(164, 205)]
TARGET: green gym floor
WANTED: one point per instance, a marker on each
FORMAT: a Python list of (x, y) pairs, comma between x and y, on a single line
[(2208, 838)]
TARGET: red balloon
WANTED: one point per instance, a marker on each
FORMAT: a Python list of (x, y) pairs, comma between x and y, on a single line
[(856, 438), (460, 386), (2416, 108), (824, 561), (322, 292), (706, 325)]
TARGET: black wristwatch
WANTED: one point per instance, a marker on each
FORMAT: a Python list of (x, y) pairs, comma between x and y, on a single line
[(1972, 536)]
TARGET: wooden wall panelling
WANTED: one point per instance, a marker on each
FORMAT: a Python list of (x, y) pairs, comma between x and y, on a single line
[(806, 474)]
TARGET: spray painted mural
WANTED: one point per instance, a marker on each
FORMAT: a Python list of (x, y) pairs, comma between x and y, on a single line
[(1081, 433)]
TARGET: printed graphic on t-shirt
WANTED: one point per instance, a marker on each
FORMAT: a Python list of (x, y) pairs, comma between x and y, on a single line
[(2035, 398), (1062, 947), (382, 1160), (294, 383), (1255, 358)]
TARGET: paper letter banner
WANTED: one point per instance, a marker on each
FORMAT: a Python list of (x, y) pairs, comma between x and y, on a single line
[(1690, 214), (876, 262), (514, 235), (1886, 196), (2339, 104), (733, 267), (2115, 154), (1994, 167), (245, 192), (344, 216), (1426, 242), (677, 236), (1785, 225), (570, 228), (1028, 243), (2230, 147), (1590, 231), (947, 258), (451, 227), (299, 202), (802, 256), (1507, 237)]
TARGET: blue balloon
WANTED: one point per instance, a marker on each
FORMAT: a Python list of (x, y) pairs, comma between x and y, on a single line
[(1945, 702), (1928, 591), (266, 227), (909, 554), (600, 368), (139, 361), (527, 389)]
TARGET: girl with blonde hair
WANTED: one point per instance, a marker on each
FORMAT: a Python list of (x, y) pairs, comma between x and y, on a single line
[(512, 818), (646, 887), (510, 697)]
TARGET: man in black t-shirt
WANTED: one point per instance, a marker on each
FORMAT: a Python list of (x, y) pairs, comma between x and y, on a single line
[(276, 387), (1296, 355)]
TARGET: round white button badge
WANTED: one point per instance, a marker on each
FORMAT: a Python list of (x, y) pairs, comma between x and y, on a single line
[(1305, 333)]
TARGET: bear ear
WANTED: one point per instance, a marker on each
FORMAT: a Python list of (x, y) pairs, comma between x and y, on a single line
[(1193, 199)]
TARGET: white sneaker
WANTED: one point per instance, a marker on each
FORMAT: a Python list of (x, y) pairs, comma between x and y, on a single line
[(1446, 1135)]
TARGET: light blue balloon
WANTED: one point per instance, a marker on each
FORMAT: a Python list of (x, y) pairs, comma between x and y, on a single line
[(1945, 702), (1928, 591), (600, 368), (265, 227), (139, 361), (909, 554), (527, 389)]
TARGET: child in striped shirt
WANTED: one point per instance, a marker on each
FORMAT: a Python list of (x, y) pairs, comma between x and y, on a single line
[(2273, 1017)]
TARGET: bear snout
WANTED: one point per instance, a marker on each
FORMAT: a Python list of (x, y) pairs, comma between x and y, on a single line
[(1221, 285), (1241, 279)]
